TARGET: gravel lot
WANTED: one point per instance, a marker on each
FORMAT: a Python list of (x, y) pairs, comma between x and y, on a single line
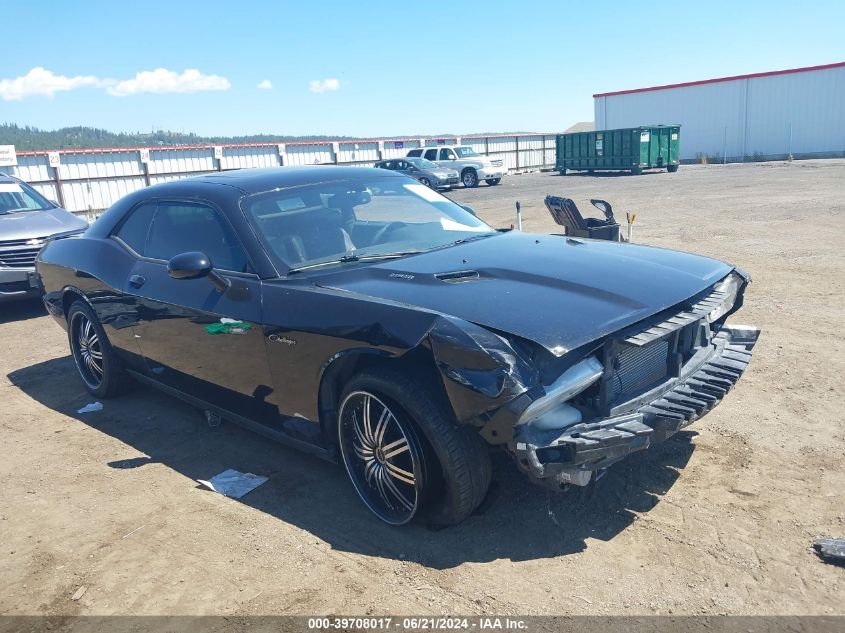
[(719, 519)]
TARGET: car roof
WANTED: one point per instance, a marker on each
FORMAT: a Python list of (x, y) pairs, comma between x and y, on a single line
[(269, 178)]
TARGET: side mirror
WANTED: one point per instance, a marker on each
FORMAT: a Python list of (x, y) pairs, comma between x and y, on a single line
[(193, 265)]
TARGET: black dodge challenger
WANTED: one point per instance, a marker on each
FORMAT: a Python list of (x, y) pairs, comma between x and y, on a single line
[(359, 315)]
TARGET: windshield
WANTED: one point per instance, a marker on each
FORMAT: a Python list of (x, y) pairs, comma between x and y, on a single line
[(421, 163), (355, 220), (465, 152), (17, 197)]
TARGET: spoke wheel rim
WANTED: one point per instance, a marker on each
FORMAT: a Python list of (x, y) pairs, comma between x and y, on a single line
[(469, 179), (87, 350), (425, 181), (382, 457)]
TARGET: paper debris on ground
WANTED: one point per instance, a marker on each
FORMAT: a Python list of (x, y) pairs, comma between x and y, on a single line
[(90, 408), (79, 593), (232, 483)]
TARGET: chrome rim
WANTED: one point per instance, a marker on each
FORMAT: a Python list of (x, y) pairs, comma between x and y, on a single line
[(87, 350), (469, 179), (382, 457), (425, 181)]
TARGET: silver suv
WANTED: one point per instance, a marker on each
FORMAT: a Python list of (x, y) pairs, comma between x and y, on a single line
[(472, 166), (27, 221)]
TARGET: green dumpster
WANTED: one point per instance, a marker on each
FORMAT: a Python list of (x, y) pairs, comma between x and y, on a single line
[(631, 149)]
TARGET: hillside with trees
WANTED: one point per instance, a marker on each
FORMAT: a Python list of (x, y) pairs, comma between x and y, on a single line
[(29, 138)]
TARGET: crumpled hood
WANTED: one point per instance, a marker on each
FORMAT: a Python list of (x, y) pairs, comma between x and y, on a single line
[(38, 224), (557, 292)]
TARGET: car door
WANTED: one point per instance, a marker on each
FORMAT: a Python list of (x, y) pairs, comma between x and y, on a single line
[(447, 158), (194, 338), (404, 167)]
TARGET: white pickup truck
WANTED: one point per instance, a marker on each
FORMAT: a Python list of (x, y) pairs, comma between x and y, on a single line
[(472, 166)]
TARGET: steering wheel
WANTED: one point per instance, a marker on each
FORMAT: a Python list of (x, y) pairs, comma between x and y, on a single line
[(390, 226)]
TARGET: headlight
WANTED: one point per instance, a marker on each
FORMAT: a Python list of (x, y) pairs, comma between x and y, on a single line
[(544, 412), (730, 285)]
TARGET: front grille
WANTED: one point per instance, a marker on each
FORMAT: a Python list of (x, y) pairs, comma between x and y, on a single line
[(636, 368), (24, 242), (19, 258)]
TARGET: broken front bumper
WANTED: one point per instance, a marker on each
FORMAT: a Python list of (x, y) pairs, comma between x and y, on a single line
[(574, 455)]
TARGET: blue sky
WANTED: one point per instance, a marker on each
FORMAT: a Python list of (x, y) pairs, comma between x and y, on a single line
[(372, 68)]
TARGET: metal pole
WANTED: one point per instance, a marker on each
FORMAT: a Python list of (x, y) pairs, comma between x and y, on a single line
[(790, 140), (518, 216), (725, 146)]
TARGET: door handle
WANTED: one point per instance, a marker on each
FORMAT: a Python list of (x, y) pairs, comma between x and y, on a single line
[(136, 281)]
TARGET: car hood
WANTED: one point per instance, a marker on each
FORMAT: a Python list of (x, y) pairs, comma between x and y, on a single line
[(38, 224), (560, 293)]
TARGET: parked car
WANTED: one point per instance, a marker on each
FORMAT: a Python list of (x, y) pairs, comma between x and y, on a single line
[(472, 166), (423, 170), (27, 221), (361, 316)]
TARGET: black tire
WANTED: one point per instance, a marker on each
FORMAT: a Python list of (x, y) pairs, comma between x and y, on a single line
[(637, 171), (425, 181), (562, 172), (98, 365), (493, 181), (469, 177), (672, 169), (451, 463)]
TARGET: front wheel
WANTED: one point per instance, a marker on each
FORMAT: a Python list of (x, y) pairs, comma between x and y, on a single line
[(95, 359), (493, 181), (425, 181), (404, 455), (470, 178)]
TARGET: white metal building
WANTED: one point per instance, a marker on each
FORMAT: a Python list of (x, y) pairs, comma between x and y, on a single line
[(768, 115)]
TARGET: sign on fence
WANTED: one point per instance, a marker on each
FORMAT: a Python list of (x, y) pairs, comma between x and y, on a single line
[(145, 155), (8, 157), (54, 159)]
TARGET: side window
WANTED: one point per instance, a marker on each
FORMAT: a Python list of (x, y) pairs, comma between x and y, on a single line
[(402, 165), (388, 164), (415, 152), (135, 229), (431, 154), (180, 227), (446, 154)]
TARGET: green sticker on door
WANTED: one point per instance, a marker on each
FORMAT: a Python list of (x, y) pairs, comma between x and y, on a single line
[(228, 326)]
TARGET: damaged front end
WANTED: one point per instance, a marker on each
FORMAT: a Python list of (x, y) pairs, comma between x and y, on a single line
[(635, 387)]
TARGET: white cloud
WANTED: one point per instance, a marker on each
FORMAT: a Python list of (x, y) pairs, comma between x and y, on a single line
[(265, 85), (162, 80), (42, 82), (326, 85)]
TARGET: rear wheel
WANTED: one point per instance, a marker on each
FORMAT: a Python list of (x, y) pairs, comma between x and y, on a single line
[(470, 178), (404, 455), (493, 181), (95, 359)]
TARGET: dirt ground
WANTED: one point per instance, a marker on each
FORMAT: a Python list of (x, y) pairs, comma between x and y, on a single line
[(719, 519)]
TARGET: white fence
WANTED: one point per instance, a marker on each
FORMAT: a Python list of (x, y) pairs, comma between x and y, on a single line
[(89, 180)]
